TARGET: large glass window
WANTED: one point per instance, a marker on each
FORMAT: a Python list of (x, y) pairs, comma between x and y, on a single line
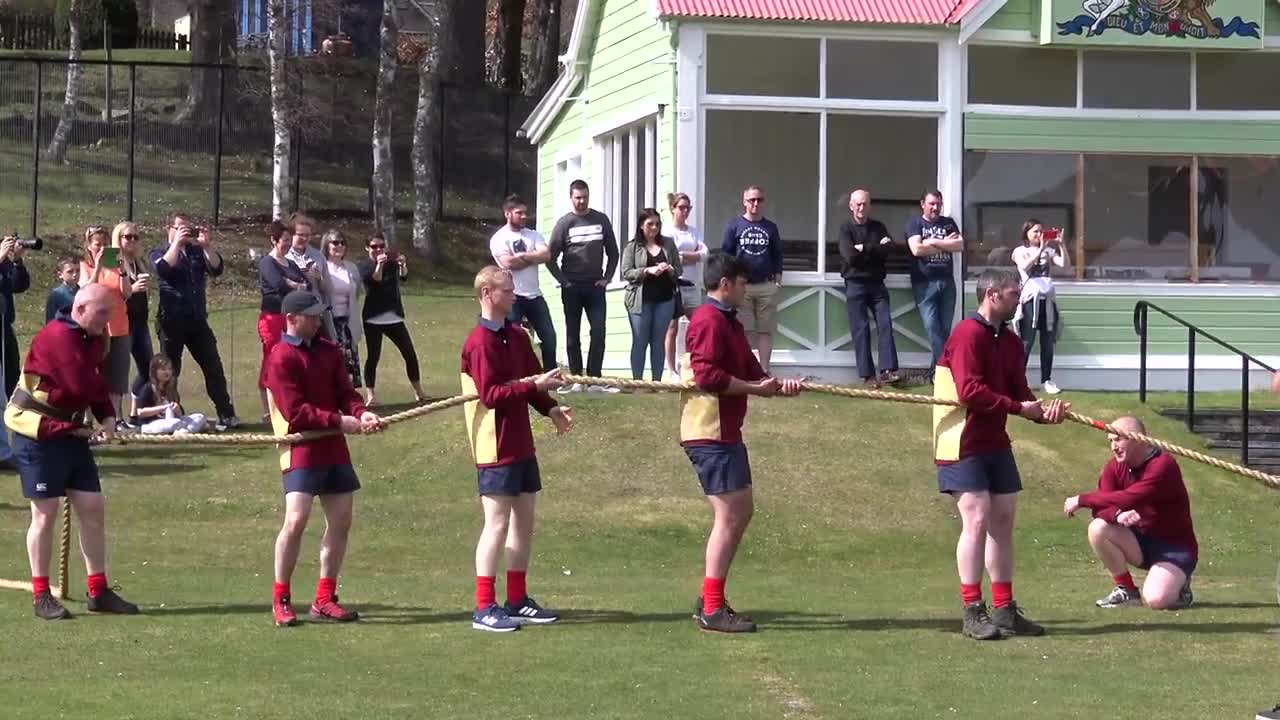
[(760, 65), (628, 162), (1237, 199), (1237, 81), (914, 76), (1002, 190), (1137, 217), (777, 151), (1022, 76), (894, 158), (1137, 80)]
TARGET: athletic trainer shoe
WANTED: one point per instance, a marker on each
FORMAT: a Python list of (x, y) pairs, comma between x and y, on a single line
[(570, 388), (530, 611), (603, 389), (46, 607), (109, 602), (724, 621), (697, 609), (329, 610), (1010, 620), (1272, 714), (282, 612), (1185, 598), (1051, 388), (494, 619), (1120, 596), (977, 623)]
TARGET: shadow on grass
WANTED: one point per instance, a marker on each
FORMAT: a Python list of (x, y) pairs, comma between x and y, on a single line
[(1208, 628), (808, 622), (1229, 606), (7, 507)]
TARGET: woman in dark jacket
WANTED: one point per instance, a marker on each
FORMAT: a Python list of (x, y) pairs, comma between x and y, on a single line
[(278, 276), (650, 266), (383, 314)]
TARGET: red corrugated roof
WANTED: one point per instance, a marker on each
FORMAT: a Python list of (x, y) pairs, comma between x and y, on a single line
[(909, 12)]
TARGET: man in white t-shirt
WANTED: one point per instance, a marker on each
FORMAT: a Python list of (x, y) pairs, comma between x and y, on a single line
[(521, 250)]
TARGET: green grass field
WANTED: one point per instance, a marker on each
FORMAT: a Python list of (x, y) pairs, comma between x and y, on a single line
[(848, 566)]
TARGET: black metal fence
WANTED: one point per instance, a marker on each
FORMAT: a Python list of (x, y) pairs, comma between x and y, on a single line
[(136, 151)]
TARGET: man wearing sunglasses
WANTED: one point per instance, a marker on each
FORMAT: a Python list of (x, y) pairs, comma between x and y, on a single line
[(754, 239), (182, 321)]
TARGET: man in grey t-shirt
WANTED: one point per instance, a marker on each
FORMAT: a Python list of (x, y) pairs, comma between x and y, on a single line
[(580, 242)]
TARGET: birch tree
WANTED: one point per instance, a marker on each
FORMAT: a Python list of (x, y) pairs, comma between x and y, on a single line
[(426, 129), (505, 51), (384, 208), (544, 58), (282, 201), (57, 151)]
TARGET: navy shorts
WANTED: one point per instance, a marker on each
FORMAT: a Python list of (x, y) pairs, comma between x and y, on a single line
[(721, 468), (49, 468), (321, 480), (517, 478), (993, 472), (1156, 551)]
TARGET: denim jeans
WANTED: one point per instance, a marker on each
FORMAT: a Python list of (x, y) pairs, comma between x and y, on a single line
[(861, 297), (936, 301), (576, 298), (539, 315), (649, 331)]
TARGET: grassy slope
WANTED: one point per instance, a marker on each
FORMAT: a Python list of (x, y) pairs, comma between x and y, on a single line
[(848, 565)]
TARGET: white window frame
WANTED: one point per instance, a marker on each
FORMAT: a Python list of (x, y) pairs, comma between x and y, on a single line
[(568, 169), (608, 147)]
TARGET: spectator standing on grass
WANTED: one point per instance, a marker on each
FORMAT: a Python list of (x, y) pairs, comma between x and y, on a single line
[(755, 240), (156, 409), (933, 239), (344, 297), (864, 244), (1040, 252), (64, 293), (692, 254), (137, 276), (310, 259), (182, 318), (277, 277), (383, 314), (650, 267), (14, 279), (520, 251), (580, 243), (98, 269)]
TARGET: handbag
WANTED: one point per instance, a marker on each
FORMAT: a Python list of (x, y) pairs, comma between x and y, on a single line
[(690, 294)]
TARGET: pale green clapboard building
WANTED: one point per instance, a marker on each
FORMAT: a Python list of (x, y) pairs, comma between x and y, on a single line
[(1099, 117)]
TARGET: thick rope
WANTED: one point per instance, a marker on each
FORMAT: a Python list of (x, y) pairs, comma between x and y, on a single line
[(1270, 481), (64, 553)]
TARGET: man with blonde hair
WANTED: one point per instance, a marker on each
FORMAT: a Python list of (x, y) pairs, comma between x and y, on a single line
[(496, 356)]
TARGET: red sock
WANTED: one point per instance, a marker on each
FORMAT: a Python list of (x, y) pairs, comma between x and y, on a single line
[(39, 585), (712, 595), (326, 588), (516, 591), (1001, 593), (485, 593), (279, 591), (970, 594), (97, 583), (1125, 581)]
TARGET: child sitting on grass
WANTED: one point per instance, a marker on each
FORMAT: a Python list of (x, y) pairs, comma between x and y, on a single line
[(156, 408), (62, 295)]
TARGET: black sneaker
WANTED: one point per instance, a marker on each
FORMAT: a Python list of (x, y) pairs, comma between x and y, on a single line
[(1011, 621), (722, 621), (697, 610), (977, 623), (890, 377), (1185, 598), (1272, 714), (109, 602), (530, 611), (46, 607)]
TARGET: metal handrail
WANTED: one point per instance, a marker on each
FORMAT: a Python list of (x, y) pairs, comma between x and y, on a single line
[(1140, 325)]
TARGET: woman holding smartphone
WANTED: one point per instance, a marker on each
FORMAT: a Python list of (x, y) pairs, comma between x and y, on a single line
[(383, 314), (1041, 250), (137, 275), (101, 265)]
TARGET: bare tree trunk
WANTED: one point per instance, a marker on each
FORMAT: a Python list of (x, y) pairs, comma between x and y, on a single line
[(57, 151), (505, 52), (462, 59), (384, 195), (213, 36), (544, 58), (426, 129), (282, 200)]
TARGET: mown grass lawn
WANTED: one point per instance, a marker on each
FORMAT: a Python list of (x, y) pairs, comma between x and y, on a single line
[(848, 566)]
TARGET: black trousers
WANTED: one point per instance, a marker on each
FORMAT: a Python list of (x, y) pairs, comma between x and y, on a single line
[(1047, 339), (12, 361), (399, 336), (576, 298), (194, 334), (873, 297)]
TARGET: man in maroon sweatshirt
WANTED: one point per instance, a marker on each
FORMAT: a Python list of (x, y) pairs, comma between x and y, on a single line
[(1141, 518), (60, 386), (309, 388), (496, 358), (722, 366)]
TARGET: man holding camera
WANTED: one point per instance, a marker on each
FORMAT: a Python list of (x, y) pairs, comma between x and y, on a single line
[(182, 321), (14, 279)]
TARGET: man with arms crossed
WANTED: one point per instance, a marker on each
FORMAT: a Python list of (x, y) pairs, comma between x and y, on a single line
[(60, 384), (755, 241), (1141, 518), (933, 238), (720, 362), (864, 246), (495, 358), (309, 388), (981, 368), (584, 237), (520, 250)]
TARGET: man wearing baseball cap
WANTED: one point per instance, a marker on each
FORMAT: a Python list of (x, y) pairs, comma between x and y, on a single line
[(308, 388)]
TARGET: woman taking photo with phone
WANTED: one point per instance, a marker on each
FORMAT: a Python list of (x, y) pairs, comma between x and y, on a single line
[(1041, 250), (137, 275), (101, 265), (383, 314)]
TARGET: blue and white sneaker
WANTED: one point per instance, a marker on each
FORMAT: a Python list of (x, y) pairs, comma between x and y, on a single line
[(530, 611), (494, 619)]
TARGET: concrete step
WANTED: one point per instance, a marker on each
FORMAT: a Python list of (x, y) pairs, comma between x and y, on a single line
[(1221, 420)]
